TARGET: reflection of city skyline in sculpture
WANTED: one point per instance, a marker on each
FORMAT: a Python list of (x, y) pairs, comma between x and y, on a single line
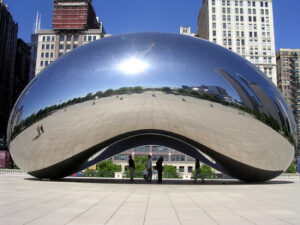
[(185, 99)]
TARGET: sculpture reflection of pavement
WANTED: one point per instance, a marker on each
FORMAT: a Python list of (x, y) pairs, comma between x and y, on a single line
[(85, 125)]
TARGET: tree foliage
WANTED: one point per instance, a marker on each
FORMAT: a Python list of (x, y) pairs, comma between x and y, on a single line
[(292, 168)]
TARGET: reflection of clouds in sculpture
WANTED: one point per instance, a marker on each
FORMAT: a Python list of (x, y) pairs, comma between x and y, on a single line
[(229, 112)]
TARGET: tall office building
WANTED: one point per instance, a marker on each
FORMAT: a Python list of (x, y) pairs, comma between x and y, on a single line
[(74, 24), (245, 27), (22, 69), (8, 44), (288, 61)]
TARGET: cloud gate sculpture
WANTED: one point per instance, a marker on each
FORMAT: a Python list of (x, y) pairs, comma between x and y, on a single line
[(152, 88)]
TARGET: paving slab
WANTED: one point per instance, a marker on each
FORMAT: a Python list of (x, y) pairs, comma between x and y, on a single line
[(26, 200)]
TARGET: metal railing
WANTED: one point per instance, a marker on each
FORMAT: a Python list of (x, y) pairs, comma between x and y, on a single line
[(14, 172)]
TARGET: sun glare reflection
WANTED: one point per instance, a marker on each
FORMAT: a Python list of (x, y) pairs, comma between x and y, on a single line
[(133, 66)]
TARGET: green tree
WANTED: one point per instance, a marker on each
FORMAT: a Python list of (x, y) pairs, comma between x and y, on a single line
[(170, 171), (205, 171), (104, 169), (292, 168)]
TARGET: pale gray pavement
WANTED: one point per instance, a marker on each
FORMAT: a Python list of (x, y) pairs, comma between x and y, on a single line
[(25, 200)]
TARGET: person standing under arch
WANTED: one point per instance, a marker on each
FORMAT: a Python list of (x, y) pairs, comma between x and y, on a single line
[(131, 167), (159, 168), (149, 169), (197, 170)]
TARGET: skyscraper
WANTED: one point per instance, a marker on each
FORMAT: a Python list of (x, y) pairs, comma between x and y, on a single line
[(74, 24), (245, 27), (288, 61), (8, 44)]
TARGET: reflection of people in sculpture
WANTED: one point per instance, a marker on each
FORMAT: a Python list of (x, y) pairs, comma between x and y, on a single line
[(38, 129), (149, 169), (131, 167), (159, 168), (42, 129), (197, 170)]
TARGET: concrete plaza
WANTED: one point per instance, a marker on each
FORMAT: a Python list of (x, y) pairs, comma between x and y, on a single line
[(25, 200)]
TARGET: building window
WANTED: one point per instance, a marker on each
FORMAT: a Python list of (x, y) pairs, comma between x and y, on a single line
[(261, 4), (48, 38), (214, 17), (90, 38), (68, 46), (224, 25), (249, 11), (215, 40), (242, 18), (47, 46), (52, 46), (253, 4), (214, 25), (42, 55), (241, 3), (41, 63), (61, 46), (69, 38), (62, 38), (43, 46), (181, 169), (213, 2), (214, 33), (51, 54), (266, 4), (60, 54), (47, 55), (84, 38), (75, 38), (53, 38), (94, 38), (190, 169), (44, 38), (236, 3), (75, 46)]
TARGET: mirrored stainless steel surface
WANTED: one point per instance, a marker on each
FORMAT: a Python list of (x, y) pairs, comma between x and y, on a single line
[(124, 90)]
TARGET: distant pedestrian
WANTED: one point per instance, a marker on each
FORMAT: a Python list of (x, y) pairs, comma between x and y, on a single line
[(131, 167), (42, 128), (159, 168), (197, 170), (149, 169), (38, 129), (145, 174)]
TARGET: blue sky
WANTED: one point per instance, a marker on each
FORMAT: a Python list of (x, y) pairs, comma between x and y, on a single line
[(120, 16)]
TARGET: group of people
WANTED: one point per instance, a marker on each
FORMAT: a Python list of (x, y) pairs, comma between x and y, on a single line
[(158, 167), (40, 130), (148, 174)]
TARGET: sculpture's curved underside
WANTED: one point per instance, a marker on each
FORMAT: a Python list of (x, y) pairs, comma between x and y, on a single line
[(152, 88)]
